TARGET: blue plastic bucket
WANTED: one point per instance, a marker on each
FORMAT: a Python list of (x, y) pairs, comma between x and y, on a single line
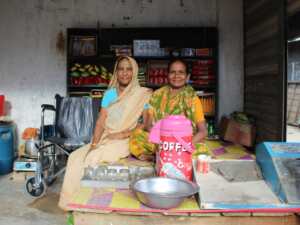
[(6, 148)]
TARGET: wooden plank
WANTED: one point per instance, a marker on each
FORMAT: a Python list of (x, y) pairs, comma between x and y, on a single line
[(261, 56), (268, 129), (265, 136), (257, 70), (262, 88), (268, 24), (271, 117), (264, 36), (261, 53), (116, 219), (293, 7), (264, 101), (267, 111), (261, 14), (257, 48), (268, 119), (268, 97), (268, 114), (253, 6), (262, 93), (257, 108)]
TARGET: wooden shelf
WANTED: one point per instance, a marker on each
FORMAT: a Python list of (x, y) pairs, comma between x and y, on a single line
[(84, 90), (170, 57), (205, 94), (188, 37), (99, 57), (89, 86)]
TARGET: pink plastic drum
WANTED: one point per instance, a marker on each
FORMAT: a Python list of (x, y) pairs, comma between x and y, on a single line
[(174, 135)]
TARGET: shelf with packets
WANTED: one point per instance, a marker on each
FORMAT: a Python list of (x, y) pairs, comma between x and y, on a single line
[(88, 75), (153, 48), (203, 73), (157, 72)]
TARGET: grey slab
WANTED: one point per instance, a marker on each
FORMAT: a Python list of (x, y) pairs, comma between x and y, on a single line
[(216, 188)]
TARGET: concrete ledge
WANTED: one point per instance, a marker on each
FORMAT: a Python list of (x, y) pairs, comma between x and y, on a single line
[(272, 214), (236, 214), (206, 214)]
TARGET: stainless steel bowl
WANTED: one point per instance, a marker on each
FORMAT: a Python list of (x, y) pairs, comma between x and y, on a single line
[(162, 192), (31, 147)]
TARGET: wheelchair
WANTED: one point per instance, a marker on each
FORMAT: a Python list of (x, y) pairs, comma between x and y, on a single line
[(74, 121)]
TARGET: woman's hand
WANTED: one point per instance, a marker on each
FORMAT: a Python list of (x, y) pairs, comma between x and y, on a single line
[(201, 133), (99, 128), (93, 146)]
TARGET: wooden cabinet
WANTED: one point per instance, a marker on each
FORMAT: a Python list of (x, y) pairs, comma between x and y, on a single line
[(92, 53)]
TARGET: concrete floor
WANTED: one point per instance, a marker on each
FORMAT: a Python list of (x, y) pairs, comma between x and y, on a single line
[(293, 134), (18, 207)]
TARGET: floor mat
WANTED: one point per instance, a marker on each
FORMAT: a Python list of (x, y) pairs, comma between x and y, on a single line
[(111, 199), (226, 150), (105, 200)]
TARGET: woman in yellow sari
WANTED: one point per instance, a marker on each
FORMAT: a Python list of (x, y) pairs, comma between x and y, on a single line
[(176, 98), (122, 106)]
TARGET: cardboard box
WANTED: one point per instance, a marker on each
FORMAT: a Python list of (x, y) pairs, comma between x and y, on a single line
[(238, 133)]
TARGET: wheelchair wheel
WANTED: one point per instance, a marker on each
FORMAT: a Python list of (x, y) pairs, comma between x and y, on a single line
[(36, 190), (50, 181)]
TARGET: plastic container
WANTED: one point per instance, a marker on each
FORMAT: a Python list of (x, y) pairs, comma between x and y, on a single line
[(203, 165), (2, 101), (174, 135), (6, 148)]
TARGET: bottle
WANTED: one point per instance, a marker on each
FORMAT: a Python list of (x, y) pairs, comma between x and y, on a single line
[(210, 128)]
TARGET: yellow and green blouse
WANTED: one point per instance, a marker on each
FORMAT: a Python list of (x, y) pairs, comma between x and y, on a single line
[(162, 104), (186, 102)]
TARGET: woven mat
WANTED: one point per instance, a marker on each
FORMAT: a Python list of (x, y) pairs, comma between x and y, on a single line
[(106, 200), (226, 150), (124, 200)]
